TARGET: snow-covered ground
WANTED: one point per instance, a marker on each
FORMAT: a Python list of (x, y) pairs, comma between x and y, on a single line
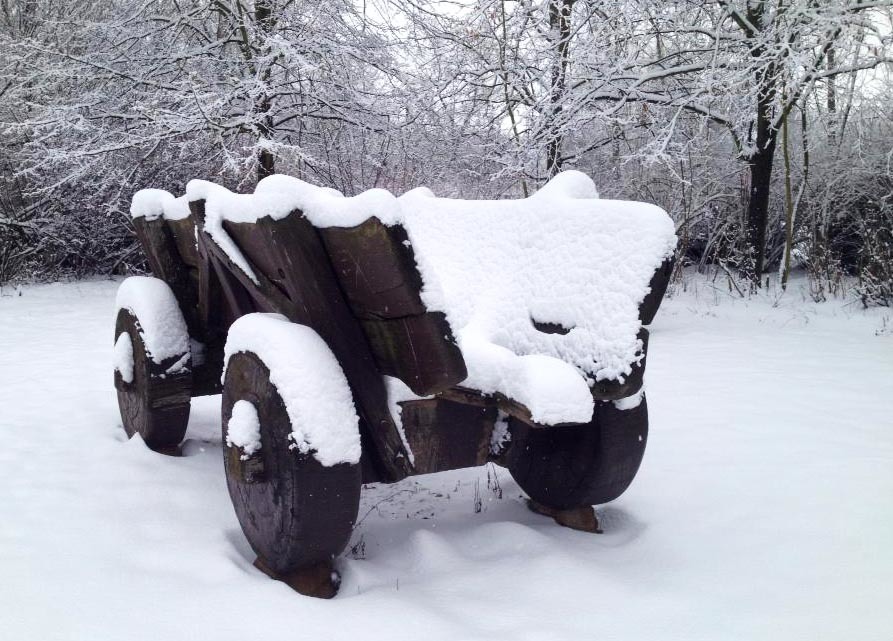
[(763, 510)]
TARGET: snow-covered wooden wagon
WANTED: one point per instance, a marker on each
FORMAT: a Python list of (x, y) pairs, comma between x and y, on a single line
[(367, 339)]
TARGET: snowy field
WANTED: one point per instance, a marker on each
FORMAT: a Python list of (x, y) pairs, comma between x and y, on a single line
[(763, 509)]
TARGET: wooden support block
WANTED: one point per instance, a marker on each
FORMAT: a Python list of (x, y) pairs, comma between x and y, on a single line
[(320, 580), (445, 435), (580, 518)]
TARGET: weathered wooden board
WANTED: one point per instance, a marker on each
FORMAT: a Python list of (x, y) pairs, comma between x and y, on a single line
[(418, 350), (446, 435), (309, 294), (166, 263), (183, 231), (376, 268)]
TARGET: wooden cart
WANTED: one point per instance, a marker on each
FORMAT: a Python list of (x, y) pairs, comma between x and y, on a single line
[(358, 288)]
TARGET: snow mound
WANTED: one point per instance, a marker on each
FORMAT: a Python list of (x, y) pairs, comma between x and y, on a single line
[(568, 184), (278, 195), (158, 203), (243, 428), (542, 293), (310, 381), (161, 322)]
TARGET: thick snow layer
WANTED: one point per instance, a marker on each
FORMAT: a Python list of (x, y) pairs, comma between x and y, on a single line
[(162, 326), (243, 428), (561, 257), (762, 509), (310, 381), (278, 195), (494, 267), (156, 203), (123, 355)]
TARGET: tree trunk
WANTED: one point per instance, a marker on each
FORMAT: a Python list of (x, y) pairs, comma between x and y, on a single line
[(788, 205), (560, 26), (263, 16), (760, 166), (832, 101), (760, 160)]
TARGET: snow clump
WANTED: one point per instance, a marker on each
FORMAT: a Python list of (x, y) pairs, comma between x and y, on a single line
[(310, 382), (243, 428)]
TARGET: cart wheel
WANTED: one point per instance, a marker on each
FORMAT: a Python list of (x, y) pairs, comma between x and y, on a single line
[(570, 467), (153, 397), (296, 513)]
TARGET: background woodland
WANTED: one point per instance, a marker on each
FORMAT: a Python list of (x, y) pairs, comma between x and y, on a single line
[(764, 127)]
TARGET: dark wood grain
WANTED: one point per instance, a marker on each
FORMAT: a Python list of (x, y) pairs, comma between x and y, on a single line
[(376, 268), (419, 350)]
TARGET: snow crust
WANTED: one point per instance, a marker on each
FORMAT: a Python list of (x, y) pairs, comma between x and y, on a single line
[(562, 256), (310, 381), (123, 357), (161, 323), (243, 428)]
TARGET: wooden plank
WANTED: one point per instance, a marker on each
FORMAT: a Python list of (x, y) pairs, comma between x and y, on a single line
[(211, 310), (376, 268), (312, 285), (184, 235), (312, 297), (251, 241), (160, 248), (418, 350), (447, 435)]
